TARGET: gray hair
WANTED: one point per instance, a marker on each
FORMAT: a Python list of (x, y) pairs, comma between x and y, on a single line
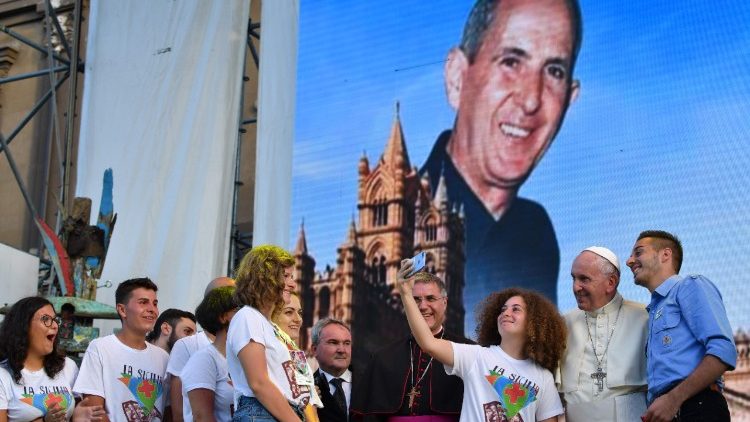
[(608, 269), (429, 278), (483, 15), (323, 323)]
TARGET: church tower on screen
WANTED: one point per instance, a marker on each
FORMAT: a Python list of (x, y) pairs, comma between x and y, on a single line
[(398, 216)]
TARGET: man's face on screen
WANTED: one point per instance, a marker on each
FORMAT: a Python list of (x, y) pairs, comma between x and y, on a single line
[(511, 100)]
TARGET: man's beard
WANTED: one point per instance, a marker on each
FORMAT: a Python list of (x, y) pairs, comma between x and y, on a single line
[(172, 340)]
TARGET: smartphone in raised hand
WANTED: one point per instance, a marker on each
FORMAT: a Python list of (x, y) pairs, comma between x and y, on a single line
[(418, 263)]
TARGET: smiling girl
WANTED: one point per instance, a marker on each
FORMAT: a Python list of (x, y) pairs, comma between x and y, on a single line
[(508, 375)]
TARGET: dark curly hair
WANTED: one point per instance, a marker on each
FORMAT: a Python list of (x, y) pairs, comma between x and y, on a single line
[(545, 328), (15, 334), (260, 276)]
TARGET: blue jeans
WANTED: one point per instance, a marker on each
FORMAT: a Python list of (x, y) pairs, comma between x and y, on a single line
[(249, 409)]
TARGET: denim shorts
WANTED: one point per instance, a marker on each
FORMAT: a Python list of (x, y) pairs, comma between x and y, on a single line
[(249, 409)]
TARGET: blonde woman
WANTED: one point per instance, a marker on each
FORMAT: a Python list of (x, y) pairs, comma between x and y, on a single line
[(268, 378)]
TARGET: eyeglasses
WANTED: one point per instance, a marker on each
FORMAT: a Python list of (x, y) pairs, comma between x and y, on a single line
[(47, 320), (429, 299)]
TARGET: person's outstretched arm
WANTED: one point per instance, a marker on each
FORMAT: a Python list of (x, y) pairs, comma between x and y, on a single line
[(440, 349)]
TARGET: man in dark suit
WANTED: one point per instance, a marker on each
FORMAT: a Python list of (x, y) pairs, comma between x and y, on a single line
[(332, 347), (401, 381)]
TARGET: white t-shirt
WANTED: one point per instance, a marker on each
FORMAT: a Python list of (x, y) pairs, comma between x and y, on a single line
[(133, 382), (36, 392), (208, 369), (285, 368), (182, 350), (498, 387)]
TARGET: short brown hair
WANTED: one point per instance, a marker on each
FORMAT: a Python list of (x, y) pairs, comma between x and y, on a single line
[(662, 240), (124, 289), (428, 278), (545, 328), (260, 276)]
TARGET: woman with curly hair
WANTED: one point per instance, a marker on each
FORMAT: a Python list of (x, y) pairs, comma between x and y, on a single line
[(508, 375), (270, 381), (36, 380)]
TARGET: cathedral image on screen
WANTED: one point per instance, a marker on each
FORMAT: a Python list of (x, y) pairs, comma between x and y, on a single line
[(398, 217)]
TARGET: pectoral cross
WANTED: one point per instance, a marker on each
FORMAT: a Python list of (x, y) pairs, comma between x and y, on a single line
[(413, 394), (599, 376)]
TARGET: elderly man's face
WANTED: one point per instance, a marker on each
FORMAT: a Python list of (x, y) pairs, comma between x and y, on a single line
[(512, 98), (591, 287)]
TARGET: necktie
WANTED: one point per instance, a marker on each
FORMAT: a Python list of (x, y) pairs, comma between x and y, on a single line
[(338, 395)]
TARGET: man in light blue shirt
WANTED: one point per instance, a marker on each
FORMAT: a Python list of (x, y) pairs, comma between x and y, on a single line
[(690, 343)]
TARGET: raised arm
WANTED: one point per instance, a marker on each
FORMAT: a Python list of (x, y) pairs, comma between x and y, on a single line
[(440, 349), (253, 360)]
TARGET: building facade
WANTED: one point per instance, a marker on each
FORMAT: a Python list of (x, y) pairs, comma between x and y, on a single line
[(398, 217), (737, 382)]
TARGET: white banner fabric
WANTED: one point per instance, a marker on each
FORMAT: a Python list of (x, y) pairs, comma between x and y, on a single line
[(161, 107), (276, 106)]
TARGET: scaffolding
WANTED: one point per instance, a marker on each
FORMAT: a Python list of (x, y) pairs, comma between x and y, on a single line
[(60, 47), (241, 241), (62, 60), (67, 64)]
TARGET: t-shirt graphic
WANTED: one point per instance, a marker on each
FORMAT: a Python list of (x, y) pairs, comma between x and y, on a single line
[(298, 372), (145, 391), (514, 395), (47, 399)]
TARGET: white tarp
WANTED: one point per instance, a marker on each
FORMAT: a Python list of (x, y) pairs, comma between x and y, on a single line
[(276, 105), (161, 107), (20, 272)]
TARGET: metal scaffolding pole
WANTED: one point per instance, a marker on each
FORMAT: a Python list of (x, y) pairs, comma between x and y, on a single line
[(56, 64), (239, 241), (67, 163)]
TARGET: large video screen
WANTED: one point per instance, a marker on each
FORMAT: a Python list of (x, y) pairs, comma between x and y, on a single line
[(405, 145)]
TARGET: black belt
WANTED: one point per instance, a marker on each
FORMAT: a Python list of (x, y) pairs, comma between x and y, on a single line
[(714, 386)]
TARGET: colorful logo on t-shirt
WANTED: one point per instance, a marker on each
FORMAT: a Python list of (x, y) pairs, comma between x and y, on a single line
[(515, 392), (145, 391), (45, 400)]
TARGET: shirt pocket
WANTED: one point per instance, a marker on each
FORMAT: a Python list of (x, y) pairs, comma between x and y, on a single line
[(664, 326)]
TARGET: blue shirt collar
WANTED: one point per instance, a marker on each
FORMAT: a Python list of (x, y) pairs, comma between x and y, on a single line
[(663, 289), (667, 285)]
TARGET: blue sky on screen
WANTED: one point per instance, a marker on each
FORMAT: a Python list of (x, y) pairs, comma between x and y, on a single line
[(657, 139)]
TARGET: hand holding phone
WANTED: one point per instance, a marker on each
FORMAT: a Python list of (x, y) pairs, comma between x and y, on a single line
[(418, 263)]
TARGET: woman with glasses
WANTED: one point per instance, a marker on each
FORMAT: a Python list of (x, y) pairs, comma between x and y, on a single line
[(36, 380)]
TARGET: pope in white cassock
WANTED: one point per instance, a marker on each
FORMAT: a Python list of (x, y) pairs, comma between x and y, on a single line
[(603, 371)]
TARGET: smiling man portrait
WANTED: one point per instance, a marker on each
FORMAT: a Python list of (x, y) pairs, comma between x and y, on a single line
[(510, 82)]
